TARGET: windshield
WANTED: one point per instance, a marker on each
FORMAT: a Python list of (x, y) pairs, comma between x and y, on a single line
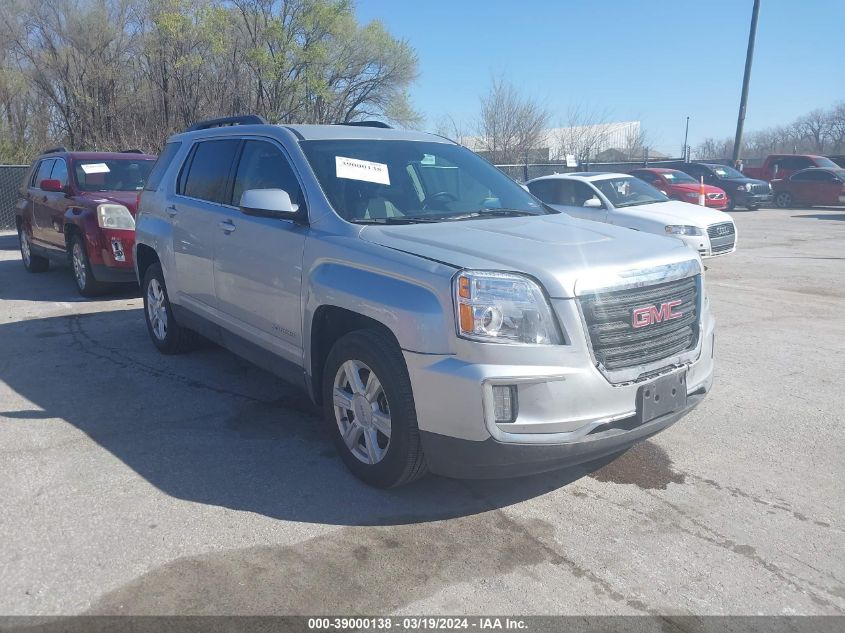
[(115, 174), (678, 178), (628, 192), (726, 172), (408, 181)]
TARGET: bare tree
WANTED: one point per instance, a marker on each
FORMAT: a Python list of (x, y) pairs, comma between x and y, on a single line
[(511, 126)]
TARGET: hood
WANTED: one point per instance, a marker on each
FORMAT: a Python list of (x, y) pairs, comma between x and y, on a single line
[(694, 188), (128, 199), (558, 250), (675, 212), (743, 180)]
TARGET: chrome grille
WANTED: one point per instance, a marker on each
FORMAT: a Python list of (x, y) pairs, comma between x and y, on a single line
[(722, 237), (760, 188), (617, 344)]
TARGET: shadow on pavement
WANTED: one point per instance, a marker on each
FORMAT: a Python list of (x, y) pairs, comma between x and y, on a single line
[(209, 427), (56, 284), (9, 241), (823, 216)]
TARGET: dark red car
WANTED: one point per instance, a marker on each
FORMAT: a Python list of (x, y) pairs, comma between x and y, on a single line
[(814, 186), (680, 186), (80, 207)]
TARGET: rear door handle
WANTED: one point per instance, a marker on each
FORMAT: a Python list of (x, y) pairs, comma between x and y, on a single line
[(172, 211), (227, 226)]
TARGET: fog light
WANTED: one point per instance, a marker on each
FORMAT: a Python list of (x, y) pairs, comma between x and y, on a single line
[(117, 250), (505, 402)]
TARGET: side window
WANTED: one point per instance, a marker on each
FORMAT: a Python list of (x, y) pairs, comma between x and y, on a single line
[(208, 173), (263, 166), (43, 172), (543, 189), (161, 165), (584, 192), (60, 171), (813, 176)]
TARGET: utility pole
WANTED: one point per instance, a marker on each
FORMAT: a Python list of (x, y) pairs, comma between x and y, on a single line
[(686, 135), (749, 55)]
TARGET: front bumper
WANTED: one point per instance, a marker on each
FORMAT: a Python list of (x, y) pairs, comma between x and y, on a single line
[(491, 459), (569, 411), (111, 255), (753, 199)]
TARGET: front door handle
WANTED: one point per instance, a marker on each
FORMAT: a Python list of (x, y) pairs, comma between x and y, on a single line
[(172, 211), (227, 226)]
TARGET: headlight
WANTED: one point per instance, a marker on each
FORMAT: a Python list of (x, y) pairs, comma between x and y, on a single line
[(748, 187), (683, 229), (115, 216), (691, 194), (503, 308)]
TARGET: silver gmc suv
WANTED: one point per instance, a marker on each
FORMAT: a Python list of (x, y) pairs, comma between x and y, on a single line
[(444, 318)]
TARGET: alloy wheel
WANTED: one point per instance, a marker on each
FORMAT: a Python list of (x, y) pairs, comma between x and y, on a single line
[(79, 269), (26, 252), (156, 310), (361, 411)]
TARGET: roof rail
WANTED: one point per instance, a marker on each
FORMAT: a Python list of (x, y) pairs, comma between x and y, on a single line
[(245, 119), (54, 150), (132, 151), (380, 124)]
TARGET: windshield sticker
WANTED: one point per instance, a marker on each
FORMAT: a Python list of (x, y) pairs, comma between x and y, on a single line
[(428, 159), (355, 169), (95, 168)]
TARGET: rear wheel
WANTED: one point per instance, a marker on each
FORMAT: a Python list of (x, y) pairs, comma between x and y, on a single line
[(33, 263), (167, 335), (85, 282), (369, 407), (783, 200)]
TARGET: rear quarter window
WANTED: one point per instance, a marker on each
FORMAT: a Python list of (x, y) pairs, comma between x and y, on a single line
[(165, 158)]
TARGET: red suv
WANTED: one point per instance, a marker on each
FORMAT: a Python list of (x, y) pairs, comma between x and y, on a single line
[(680, 186), (80, 207)]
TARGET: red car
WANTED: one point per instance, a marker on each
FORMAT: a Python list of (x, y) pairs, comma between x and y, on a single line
[(807, 187), (80, 207), (680, 186), (784, 165)]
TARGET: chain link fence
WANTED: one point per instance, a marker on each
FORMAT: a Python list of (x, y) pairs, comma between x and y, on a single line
[(10, 181)]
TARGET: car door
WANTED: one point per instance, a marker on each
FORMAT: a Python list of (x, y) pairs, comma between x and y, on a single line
[(55, 206), (258, 261), (196, 209), (829, 189), (40, 211)]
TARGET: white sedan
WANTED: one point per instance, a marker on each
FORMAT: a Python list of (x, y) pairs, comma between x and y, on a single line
[(627, 201)]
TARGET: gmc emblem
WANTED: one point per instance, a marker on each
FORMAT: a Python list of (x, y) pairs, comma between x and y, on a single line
[(652, 314)]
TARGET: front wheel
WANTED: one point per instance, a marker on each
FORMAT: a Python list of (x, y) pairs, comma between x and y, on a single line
[(783, 200), (731, 204), (167, 335), (369, 407), (85, 282)]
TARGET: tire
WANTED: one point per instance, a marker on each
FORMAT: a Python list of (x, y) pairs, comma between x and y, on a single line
[(731, 205), (33, 263), (783, 200), (166, 333), (383, 460), (86, 284)]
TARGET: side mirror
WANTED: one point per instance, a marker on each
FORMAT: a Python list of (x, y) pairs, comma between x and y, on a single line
[(593, 203), (51, 185), (269, 203)]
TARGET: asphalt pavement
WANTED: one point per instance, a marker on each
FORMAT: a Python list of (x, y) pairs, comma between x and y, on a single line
[(133, 482)]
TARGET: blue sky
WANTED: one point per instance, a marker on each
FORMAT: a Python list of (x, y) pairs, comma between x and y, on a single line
[(657, 62)]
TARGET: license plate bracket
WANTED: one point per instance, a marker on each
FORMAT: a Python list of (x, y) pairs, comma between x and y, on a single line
[(662, 395)]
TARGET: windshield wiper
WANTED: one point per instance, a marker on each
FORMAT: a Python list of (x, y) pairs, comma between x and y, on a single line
[(490, 212), (393, 220)]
